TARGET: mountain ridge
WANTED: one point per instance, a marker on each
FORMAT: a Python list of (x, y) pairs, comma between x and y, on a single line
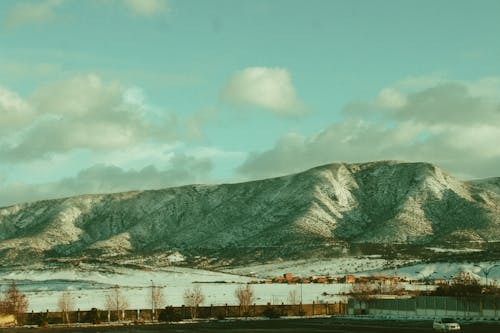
[(327, 206)]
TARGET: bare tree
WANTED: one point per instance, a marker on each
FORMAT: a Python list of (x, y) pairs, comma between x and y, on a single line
[(362, 291), (392, 287), (246, 297), (292, 297), (192, 299), (116, 301), (14, 302), (66, 304)]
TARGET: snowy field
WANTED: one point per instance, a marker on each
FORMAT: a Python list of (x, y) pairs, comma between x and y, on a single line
[(318, 267), (90, 286), (88, 289)]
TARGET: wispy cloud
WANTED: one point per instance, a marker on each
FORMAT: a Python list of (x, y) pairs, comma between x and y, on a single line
[(42, 11), (32, 12), (147, 7)]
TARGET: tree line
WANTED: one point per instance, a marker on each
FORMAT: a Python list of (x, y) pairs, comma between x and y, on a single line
[(14, 302)]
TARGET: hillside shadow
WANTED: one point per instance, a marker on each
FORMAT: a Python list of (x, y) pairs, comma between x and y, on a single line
[(454, 213)]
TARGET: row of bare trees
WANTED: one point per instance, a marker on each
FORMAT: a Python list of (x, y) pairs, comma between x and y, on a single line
[(14, 302)]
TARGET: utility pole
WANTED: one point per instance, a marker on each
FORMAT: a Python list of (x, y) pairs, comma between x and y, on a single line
[(301, 291), (152, 301)]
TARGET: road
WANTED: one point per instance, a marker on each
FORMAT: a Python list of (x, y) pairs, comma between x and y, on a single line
[(337, 325)]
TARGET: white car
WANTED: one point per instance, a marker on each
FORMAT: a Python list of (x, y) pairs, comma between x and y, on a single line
[(445, 324)]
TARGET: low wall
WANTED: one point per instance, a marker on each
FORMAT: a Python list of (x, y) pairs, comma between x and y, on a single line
[(315, 309)]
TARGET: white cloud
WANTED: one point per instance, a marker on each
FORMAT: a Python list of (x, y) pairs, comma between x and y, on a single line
[(105, 178), (453, 124), (32, 12), (147, 7), (268, 88), (14, 111), (391, 98), (83, 112)]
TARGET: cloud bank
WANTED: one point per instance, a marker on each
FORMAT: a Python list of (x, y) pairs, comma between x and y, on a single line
[(454, 124), (104, 178), (82, 112)]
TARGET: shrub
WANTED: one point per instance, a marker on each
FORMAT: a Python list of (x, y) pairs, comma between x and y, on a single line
[(271, 312), (169, 314), (220, 314), (94, 316), (41, 320)]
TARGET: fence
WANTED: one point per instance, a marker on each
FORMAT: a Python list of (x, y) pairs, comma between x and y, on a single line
[(314, 309), (486, 307)]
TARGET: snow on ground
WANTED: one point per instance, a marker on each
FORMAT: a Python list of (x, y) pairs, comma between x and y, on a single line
[(444, 250), (215, 294), (320, 267), (89, 288), (447, 270)]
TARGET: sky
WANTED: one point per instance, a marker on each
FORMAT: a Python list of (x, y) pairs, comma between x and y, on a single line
[(103, 96)]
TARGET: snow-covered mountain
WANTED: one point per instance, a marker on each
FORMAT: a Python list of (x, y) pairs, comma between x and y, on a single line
[(379, 202)]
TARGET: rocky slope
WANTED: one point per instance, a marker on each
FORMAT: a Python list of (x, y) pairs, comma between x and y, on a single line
[(328, 206)]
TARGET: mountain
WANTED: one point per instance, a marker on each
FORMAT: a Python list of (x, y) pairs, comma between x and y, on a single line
[(324, 208)]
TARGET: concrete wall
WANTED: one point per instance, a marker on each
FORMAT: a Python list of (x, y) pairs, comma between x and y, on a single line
[(486, 307)]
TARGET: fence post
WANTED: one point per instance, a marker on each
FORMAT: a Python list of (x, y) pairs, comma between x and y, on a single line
[(468, 308), (495, 305), (313, 308)]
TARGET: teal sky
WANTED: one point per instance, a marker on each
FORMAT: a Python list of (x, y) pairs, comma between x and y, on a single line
[(113, 95)]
